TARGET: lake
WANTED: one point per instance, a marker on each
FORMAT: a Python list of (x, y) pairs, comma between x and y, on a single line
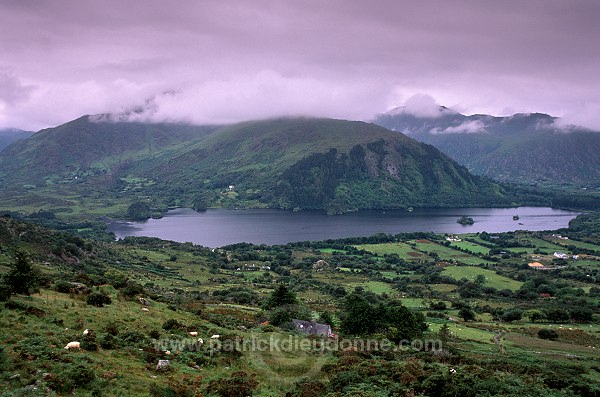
[(218, 227)]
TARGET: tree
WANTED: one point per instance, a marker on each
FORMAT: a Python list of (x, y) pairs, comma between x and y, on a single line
[(480, 279), (445, 334), (358, 315), (391, 318), (581, 314), (326, 318), (536, 315), (98, 299), (281, 296), (512, 315), (557, 315), (467, 314), (23, 277), (438, 305), (546, 333)]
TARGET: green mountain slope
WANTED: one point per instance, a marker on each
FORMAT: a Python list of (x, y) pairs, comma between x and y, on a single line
[(85, 144), (316, 163), (327, 164), (526, 148), (8, 136)]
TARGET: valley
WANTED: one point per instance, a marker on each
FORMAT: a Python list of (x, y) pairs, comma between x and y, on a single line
[(476, 294)]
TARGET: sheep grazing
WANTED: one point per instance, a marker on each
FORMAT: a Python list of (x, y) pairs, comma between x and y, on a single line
[(72, 345), (200, 341), (452, 371), (193, 333), (163, 365), (168, 352), (145, 309), (215, 337), (87, 332)]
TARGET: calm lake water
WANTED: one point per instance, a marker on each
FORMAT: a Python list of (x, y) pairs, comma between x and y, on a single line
[(218, 227)]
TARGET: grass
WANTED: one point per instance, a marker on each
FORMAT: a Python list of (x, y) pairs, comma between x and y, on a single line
[(276, 368), (331, 251), (491, 278), (446, 253), (538, 244), (404, 251), (576, 243), (476, 248), (462, 331), (376, 287)]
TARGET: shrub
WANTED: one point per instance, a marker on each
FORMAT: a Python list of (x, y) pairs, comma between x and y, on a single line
[(89, 342), (467, 314), (132, 338), (5, 292), (512, 315), (132, 289), (172, 324), (154, 334), (240, 384), (285, 314), (108, 342), (112, 328), (307, 388), (583, 315), (98, 299), (546, 333), (63, 286), (23, 277)]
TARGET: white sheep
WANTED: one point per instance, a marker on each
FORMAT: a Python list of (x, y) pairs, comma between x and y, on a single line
[(215, 337), (163, 365), (193, 333), (168, 352), (145, 309), (452, 371), (72, 345), (200, 341), (86, 332)]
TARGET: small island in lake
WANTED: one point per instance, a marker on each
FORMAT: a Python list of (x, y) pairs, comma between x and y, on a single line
[(465, 220)]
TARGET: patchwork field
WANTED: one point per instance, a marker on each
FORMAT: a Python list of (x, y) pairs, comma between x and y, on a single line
[(492, 279), (446, 253), (404, 251), (476, 248)]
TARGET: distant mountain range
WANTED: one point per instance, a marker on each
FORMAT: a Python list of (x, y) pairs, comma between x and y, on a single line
[(335, 165), (10, 135), (523, 148)]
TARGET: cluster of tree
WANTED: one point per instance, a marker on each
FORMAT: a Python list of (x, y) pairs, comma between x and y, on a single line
[(364, 314), (22, 278), (283, 306)]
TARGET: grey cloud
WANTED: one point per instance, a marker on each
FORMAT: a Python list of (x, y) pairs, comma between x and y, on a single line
[(239, 59), (12, 91)]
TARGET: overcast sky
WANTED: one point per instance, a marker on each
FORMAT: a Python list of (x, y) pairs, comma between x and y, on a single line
[(225, 61)]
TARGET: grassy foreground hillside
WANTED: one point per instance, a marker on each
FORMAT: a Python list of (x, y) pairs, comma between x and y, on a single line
[(501, 328)]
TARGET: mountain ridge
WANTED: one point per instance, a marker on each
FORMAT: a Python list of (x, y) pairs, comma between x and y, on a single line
[(336, 165), (526, 148)]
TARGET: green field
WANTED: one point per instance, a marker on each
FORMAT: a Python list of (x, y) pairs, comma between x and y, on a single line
[(404, 251), (539, 244), (476, 248), (331, 251), (492, 279), (576, 243), (377, 287), (446, 253)]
